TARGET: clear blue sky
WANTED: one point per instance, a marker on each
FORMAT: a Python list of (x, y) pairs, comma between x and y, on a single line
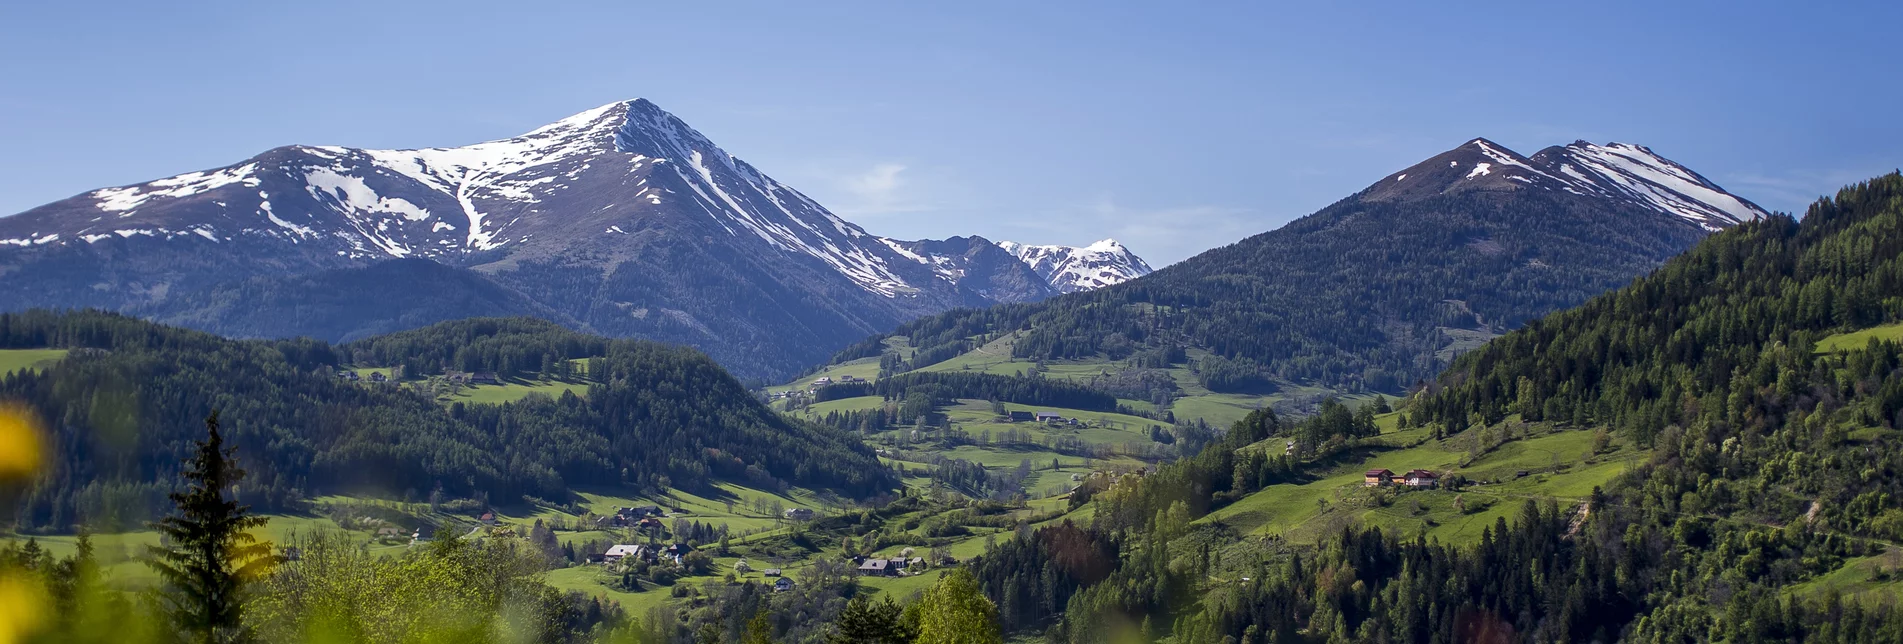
[(1174, 127)]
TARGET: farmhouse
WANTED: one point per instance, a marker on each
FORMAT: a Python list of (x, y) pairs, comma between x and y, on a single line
[(1377, 477), (484, 377), (1421, 478), (1020, 416), (782, 585), (618, 552), (799, 514), (1049, 417), (377, 376), (878, 568), (771, 572)]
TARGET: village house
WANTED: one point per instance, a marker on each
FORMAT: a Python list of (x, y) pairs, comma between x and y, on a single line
[(377, 376), (771, 572), (484, 378), (1049, 417), (1377, 477), (878, 568), (347, 375), (487, 518), (799, 514), (782, 585), (1021, 416), (389, 534), (1421, 478), (618, 552)]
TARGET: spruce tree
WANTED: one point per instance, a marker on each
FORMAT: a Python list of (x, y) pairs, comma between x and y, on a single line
[(209, 556), (864, 622)]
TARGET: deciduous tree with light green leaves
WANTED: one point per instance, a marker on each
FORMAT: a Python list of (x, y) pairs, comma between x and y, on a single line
[(954, 611)]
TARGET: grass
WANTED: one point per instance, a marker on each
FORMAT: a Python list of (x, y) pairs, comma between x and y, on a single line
[(511, 391), (1857, 340), (1556, 463), (34, 360), (1872, 580), (863, 368)]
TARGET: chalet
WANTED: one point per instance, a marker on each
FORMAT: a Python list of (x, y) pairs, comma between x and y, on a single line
[(878, 568), (821, 382), (389, 533), (487, 518), (847, 379), (1377, 477), (1421, 478), (799, 514), (782, 585), (771, 572), (484, 378), (618, 552), (1021, 416), (676, 551), (1049, 417), (377, 376), (347, 375)]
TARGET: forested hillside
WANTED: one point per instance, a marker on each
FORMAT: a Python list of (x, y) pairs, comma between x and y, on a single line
[(129, 396), (1771, 465)]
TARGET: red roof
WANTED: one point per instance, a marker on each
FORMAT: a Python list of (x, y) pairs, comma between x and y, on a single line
[(1381, 472), (1422, 474)]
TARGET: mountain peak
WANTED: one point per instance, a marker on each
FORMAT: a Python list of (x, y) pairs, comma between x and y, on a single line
[(1624, 172), (1070, 268)]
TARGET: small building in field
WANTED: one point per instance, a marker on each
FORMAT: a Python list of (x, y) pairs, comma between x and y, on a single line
[(377, 376), (487, 518), (484, 378), (878, 568), (782, 585), (618, 552), (1049, 417), (1021, 417), (347, 375), (771, 572), (1373, 478), (799, 514), (1421, 478)]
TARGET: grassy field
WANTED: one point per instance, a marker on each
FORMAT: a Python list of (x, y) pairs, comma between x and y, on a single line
[(1859, 339), (12, 360), (514, 390), (863, 368), (1872, 580), (1556, 464)]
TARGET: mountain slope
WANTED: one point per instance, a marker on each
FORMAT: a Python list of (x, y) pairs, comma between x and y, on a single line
[(131, 394), (621, 219), (1374, 291)]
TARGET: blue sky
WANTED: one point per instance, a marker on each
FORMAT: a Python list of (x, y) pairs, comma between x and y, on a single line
[(1172, 127)]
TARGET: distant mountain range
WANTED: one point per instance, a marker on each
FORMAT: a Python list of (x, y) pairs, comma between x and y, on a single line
[(1380, 289), (621, 220)]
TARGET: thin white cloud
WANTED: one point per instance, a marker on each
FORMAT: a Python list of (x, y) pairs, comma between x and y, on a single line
[(883, 189), (1793, 191)]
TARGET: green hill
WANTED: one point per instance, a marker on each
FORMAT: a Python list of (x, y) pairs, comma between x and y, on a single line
[(129, 395)]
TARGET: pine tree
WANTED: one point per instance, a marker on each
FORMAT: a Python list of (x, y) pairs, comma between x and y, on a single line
[(864, 622), (210, 556)]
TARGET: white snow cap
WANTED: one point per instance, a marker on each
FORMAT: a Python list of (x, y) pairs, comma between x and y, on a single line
[(1070, 269)]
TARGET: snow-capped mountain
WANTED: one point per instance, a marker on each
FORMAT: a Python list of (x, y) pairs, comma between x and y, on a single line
[(1619, 172), (622, 220), (1070, 268)]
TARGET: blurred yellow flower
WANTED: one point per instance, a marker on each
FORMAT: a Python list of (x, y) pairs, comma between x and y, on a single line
[(22, 607), (20, 442)]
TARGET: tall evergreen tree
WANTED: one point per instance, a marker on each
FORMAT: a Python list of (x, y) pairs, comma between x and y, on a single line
[(209, 556), (865, 622)]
